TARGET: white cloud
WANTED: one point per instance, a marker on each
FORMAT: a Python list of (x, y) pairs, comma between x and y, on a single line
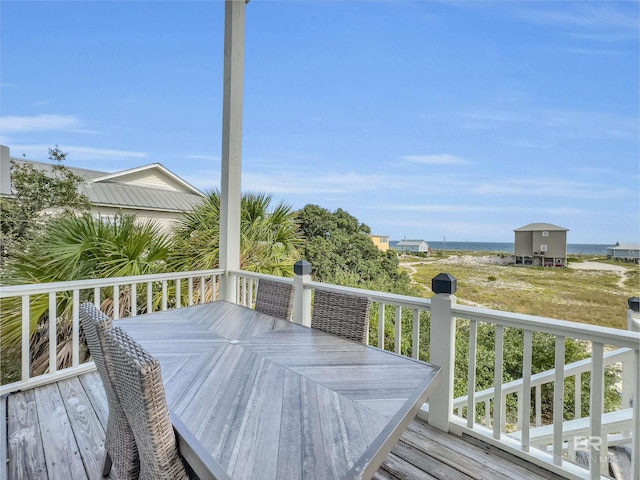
[(438, 159), (77, 153), (15, 124), (548, 187), (561, 211)]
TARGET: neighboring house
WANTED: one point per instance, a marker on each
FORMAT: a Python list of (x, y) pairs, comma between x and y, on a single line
[(381, 242), (541, 244), (628, 252), (150, 191), (414, 246)]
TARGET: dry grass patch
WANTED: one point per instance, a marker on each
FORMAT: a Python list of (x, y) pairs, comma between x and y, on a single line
[(587, 296)]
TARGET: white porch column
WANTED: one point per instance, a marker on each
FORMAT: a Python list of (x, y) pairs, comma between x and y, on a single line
[(231, 193), (443, 335)]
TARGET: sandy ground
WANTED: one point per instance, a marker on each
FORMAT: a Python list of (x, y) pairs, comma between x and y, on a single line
[(597, 266), (507, 259)]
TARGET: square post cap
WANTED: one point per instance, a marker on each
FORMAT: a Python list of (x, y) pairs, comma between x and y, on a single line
[(444, 283), (302, 267), (634, 304)]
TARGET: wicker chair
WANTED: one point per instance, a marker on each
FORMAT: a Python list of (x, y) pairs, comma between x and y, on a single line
[(139, 385), (275, 298), (120, 444), (342, 314)]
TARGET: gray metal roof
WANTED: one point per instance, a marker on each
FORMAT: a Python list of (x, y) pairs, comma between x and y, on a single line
[(625, 246), (133, 196), (536, 227), (411, 242), (122, 195)]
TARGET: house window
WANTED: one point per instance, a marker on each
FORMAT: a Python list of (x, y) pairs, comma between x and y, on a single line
[(543, 248), (545, 234), (632, 252)]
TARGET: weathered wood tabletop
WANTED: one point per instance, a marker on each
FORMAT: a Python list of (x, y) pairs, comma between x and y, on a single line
[(257, 397)]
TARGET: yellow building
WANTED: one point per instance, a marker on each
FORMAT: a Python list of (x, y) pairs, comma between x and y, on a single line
[(381, 241)]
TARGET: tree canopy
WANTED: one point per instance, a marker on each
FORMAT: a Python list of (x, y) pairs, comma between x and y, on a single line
[(36, 191), (270, 239), (341, 251)]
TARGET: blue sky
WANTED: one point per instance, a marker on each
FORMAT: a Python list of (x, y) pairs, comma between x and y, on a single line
[(424, 119)]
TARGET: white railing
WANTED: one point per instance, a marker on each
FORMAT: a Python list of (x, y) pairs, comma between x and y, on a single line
[(25, 306), (443, 316), (420, 328)]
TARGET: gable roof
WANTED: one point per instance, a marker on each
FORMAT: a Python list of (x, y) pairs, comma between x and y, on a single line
[(411, 242), (537, 227), (111, 189), (118, 176), (625, 246)]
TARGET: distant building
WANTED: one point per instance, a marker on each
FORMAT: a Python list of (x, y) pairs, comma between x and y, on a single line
[(380, 241), (628, 252), (541, 244), (414, 246), (150, 191)]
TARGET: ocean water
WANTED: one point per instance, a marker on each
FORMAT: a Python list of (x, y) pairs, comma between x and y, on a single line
[(507, 247)]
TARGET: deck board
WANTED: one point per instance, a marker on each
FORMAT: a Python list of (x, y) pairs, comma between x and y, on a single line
[(77, 412)]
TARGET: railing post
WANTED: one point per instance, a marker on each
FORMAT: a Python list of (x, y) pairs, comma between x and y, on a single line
[(633, 315), (629, 370), (443, 334), (302, 296)]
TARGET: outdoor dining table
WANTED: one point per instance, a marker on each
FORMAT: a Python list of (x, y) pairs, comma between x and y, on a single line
[(257, 397)]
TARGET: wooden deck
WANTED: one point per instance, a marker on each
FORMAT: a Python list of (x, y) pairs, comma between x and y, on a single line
[(57, 432)]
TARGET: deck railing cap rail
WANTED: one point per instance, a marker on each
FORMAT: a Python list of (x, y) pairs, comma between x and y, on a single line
[(563, 328), (7, 291), (391, 298), (266, 276)]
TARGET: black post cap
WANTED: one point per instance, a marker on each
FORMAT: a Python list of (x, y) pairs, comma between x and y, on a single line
[(634, 304), (444, 283), (302, 267)]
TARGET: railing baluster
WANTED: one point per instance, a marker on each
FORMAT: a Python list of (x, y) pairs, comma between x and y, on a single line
[(538, 405), (558, 400), (251, 285), (577, 400), (595, 410), (190, 290), (116, 302), (178, 300), (149, 297), (134, 300), (26, 337), (525, 413), (96, 297), (471, 373), (415, 347), (164, 295), (487, 413), (398, 341), (53, 333), (635, 427), (75, 328), (497, 383), (381, 326)]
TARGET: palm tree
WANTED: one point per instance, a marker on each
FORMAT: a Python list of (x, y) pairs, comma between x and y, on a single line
[(76, 248), (270, 239)]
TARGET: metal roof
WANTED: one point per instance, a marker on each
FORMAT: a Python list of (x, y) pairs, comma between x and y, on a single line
[(536, 227), (625, 246), (103, 189), (411, 242), (133, 196)]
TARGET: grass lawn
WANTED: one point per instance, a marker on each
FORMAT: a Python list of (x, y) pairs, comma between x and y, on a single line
[(588, 296)]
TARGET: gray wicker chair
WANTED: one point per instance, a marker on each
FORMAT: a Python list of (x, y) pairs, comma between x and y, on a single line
[(275, 298), (120, 444), (139, 385), (342, 314)]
